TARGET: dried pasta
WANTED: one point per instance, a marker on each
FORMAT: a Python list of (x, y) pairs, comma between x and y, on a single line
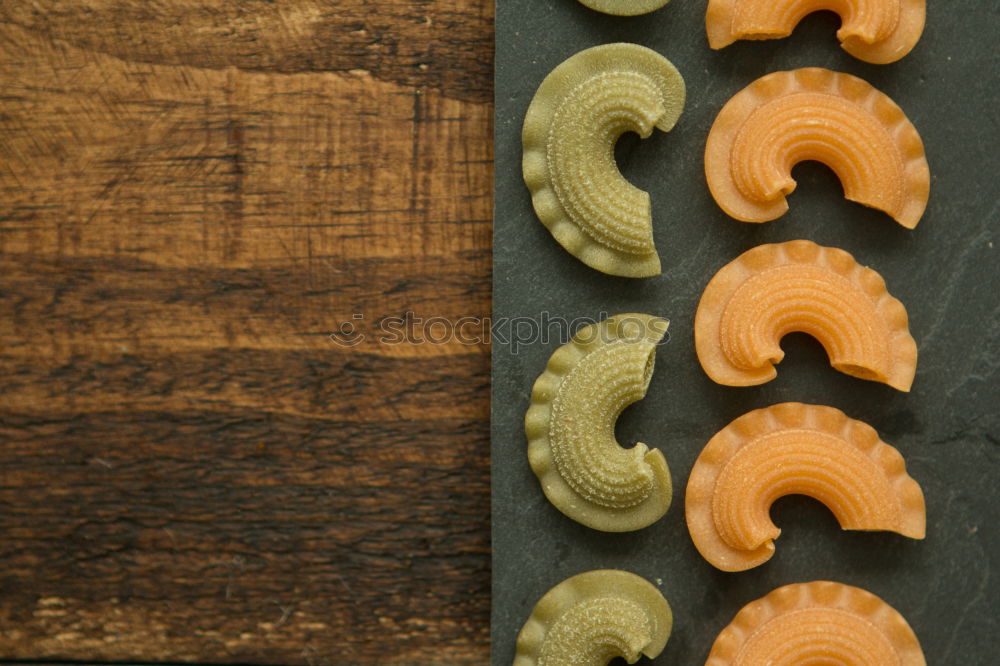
[(876, 31), (593, 617), (624, 7), (570, 427), (785, 118), (794, 449), (821, 622), (569, 135), (771, 290)]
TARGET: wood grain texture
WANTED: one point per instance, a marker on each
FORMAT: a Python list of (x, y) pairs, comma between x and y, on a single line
[(193, 198), (442, 44)]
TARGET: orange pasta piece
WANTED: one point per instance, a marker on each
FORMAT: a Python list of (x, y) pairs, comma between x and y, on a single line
[(785, 118), (794, 449), (771, 290), (876, 31), (817, 623)]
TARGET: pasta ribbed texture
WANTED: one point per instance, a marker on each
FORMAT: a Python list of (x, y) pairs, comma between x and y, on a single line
[(570, 426), (573, 122), (581, 153), (794, 448), (591, 618), (595, 631), (814, 114), (582, 436), (817, 623), (876, 31), (624, 7), (799, 286)]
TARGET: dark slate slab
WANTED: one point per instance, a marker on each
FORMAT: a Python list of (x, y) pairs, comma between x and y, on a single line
[(946, 272)]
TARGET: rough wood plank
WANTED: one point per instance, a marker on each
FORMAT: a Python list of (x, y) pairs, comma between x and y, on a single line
[(193, 198), (243, 535), (445, 44)]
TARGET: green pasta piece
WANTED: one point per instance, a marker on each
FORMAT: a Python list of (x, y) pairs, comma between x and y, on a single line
[(624, 7), (593, 617), (577, 115), (570, 427)]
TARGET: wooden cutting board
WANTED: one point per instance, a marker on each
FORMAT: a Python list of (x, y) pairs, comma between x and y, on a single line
[(193, 197)]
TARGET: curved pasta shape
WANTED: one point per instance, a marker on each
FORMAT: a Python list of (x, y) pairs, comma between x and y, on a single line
[(569, 136), (794, 449), (570, 427), (817, 623), (624, 7), (785, 118), (771, 290), (593, 617), (876, 31)]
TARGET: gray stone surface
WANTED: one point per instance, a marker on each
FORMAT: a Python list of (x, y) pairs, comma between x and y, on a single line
[(946, 272)]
